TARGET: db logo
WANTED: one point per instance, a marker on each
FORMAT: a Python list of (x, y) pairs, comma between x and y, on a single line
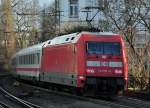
[(90, 71)]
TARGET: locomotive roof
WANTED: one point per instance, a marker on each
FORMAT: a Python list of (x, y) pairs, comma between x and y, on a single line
[(72, 38), (65, 39), (100, 33)]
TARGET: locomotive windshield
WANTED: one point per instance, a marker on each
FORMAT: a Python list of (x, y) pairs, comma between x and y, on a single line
[(110, 48)]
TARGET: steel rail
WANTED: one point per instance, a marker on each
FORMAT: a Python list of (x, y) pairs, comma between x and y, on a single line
[(23, 102), (132, 101), (3, 105)]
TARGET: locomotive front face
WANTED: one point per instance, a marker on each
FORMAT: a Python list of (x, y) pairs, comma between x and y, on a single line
[(104, 59), (104, 64)]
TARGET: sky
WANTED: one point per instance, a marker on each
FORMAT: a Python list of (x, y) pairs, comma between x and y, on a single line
[(46, 2)]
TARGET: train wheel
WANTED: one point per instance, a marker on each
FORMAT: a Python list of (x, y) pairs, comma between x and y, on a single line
[(76, 91), (79, 92)]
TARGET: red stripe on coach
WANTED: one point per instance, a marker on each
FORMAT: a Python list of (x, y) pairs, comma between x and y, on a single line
[(28, 69)]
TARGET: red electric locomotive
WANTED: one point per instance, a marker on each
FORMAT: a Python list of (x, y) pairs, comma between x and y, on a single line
[(88, 62)]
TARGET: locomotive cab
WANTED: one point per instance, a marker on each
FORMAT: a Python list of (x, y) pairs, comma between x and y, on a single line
[(104, 64)]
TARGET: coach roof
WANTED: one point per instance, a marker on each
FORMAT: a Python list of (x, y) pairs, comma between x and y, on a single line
[(30, 49)]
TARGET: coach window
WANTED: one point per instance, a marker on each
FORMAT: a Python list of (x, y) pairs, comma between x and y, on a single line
[(28, 56), (27, 59), (18, 60), (24, 59), (30, 61), (33, 59), (38, 58), (21, 60)]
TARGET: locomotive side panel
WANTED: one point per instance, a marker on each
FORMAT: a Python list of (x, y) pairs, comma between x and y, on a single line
[(59, 65)]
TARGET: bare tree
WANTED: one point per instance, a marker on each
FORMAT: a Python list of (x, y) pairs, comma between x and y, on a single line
[(48, 23), (26, 22), (7, 36), (126, 16)]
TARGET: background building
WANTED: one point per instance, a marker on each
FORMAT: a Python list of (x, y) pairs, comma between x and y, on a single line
[(76, 12), (79, 12)]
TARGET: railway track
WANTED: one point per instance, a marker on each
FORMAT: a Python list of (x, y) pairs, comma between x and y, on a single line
[(117, 102), (2, 74), (4, 105), (21, 102), (132, 102), (87, 99)]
